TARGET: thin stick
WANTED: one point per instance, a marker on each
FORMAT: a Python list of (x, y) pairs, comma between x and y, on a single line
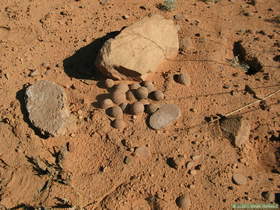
[(258, 100)]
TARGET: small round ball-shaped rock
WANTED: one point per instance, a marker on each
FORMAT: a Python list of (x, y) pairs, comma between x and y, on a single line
[(158, 95), (137, 108), (182, 79), (142, 93), (149, 85), (109, 83), (115, 112), (122, 87), (106, 103), (118, 97), (134, 86), (118, 124), (151, 108)]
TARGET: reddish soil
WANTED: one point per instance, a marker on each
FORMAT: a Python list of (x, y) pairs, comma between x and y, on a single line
[(58, 41)]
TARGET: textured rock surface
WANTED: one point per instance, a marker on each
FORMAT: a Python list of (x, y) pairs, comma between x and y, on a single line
[(47, 108), (236, 129), (139, 49), (165, 115)]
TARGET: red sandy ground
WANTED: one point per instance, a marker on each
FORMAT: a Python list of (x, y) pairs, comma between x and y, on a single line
[(59, 40)]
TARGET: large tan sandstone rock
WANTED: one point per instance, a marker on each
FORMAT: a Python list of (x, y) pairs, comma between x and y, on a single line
[(139, 49)]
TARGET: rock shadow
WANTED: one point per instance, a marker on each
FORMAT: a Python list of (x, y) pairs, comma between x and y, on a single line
[(20, 96), (81, 64)]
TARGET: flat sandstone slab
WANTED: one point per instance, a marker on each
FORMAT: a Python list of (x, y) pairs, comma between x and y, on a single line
[(47, 108), (139, 49), (165, 115)]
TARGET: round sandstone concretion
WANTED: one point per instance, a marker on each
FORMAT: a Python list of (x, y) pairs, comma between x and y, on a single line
[(142, 93), (46, 104), (118, 124), (109, 83), (118, 96), (106, 103), (151, 108), (122, 87), (165, 115), (137, 108), (158, 95), (115, 112), (149, 85)]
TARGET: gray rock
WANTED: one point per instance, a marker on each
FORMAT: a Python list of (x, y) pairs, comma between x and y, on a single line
[(46, 104), (236, 129), (165, 115), (269, 196), (239, 179)]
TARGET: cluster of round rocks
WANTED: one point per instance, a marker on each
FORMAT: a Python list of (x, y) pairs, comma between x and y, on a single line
[(131, 99)]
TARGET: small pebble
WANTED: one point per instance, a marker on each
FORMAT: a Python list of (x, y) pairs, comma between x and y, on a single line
[(125, 17), (190, 165), (134, 86), (109, 83), (183, 202), (130, 96), (182, 79), (239, 179), (122, 87), (142, 93), (151, 108), (118, 97), (118, 124), (192, 110), (149, 85), (106, 103), (196, 157), (33, 73), (179, 17), (126, 160), (158, 95), (269, 196), (116, 112), (103, 2), (193, 172), (137, 108)]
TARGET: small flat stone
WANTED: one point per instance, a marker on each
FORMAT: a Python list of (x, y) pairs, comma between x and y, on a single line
[(46, 104), (165, 115), (239, 179)]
